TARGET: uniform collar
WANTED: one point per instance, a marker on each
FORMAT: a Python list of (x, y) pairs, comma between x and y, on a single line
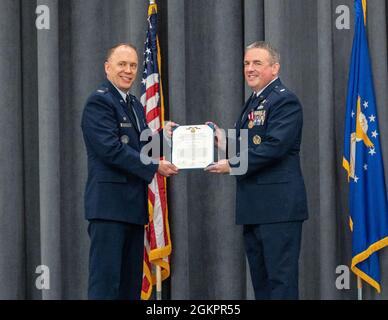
[(262, 90), (120, 95)]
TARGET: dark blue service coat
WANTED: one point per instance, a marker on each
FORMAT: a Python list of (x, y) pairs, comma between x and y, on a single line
[(272, 190), (117, 182)]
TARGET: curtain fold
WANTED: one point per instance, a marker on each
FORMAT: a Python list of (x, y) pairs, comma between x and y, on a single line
[(12, 240)]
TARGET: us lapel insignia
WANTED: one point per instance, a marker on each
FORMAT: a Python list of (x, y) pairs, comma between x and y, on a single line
[(256, 140)]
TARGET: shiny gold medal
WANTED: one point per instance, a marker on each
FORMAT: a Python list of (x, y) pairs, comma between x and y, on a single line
[(250, 124)]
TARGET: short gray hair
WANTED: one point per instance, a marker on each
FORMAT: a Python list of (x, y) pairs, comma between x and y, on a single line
[(274, 54)]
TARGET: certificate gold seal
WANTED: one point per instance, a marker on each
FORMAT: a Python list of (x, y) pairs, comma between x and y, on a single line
[(250, 124), (256, 139)]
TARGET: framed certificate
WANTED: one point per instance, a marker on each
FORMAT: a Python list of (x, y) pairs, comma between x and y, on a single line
[(192, 146)]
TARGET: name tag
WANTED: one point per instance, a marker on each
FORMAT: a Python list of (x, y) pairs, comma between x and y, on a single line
[(125, 125)]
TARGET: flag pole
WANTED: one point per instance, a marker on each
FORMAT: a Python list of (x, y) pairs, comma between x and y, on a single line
[(359, 287), (359, 281), (158, 283), (158, 268)]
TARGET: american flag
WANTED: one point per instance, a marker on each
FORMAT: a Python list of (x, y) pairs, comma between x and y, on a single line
[(157, 241)]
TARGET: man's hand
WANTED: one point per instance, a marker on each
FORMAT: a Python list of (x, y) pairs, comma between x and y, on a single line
[(167, 169), (219, 138), (221, 166), (168, 128)]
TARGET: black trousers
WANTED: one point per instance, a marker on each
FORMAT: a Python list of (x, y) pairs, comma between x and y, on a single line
[(115, 260), (273, 255)]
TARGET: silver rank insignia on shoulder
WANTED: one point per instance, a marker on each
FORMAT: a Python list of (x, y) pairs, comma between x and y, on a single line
[(103, 90), (124, 139), (282, 90)]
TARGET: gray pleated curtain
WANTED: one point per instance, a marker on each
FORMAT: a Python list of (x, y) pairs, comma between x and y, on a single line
[(46, 76)]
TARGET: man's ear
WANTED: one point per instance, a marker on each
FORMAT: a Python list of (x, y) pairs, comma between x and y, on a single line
[(275, 69), (106, 66)]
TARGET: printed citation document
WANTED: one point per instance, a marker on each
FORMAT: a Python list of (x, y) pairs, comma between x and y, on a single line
[(193, 146)]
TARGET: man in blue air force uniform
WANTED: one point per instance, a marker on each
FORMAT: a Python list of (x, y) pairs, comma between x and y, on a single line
[(116, 189), (271, 196)]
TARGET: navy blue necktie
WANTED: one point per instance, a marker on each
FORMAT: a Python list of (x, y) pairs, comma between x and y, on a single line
[(132, 110)]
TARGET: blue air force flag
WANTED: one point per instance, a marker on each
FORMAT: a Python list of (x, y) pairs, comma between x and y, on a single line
[(363, 162)]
